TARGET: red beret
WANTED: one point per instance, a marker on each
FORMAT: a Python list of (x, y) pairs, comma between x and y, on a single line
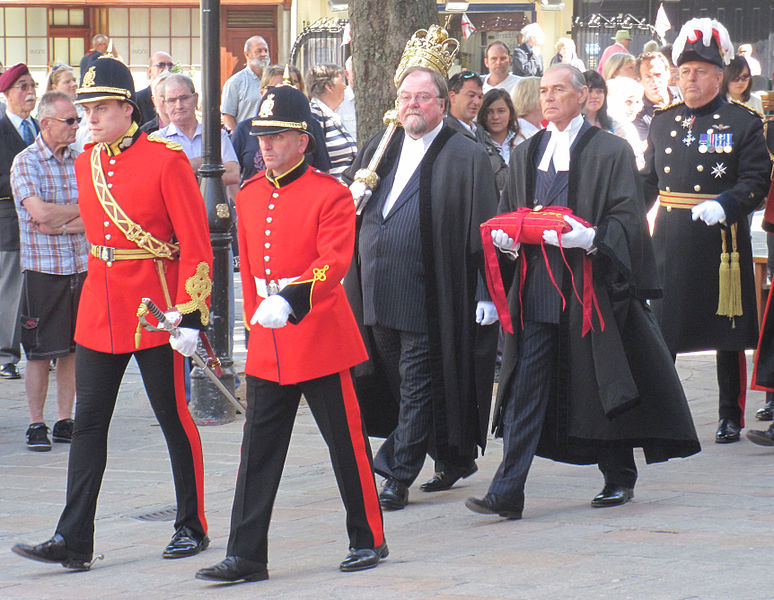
[(11, 74)]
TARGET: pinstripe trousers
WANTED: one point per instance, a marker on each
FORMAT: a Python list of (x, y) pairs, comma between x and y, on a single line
[(406, 359), (525, 409)]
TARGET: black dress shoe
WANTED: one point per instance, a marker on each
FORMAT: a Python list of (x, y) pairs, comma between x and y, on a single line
[(443, 480), (728, 431), (232, 569), (762, 438), (394, 495), (10, 371), (612, 496), (492, 505), (55, 551), (766, 412), (364, 558), (185, 543)]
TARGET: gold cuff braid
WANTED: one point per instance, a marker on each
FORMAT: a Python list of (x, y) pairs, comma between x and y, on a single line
[(198, 286)]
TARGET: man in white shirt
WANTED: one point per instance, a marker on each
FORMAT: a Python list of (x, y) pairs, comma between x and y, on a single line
[(241, 92), (181, 99), (498, 60), (420, 259)]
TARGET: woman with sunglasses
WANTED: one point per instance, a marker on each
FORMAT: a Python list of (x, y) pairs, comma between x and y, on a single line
[(61, 78), (737, 84)]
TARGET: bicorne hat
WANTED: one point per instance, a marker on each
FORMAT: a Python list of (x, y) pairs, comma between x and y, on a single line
[(107, 79), (283, 108), (703, 40)]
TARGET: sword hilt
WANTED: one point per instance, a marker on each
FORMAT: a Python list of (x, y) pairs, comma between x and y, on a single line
[(160, 316)]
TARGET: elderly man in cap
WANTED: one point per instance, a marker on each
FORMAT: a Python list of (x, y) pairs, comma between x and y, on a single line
[(148, 240), (17, 131), (708, 165), (620, 45), (296, 228)]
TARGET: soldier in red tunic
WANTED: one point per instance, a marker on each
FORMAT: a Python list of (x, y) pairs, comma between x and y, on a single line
[(144, 217), (296, 229)]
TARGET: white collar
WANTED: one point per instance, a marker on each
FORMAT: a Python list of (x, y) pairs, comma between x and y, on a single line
[(471, 128), (16, 120), (559, 144), (424, 142), (172, 129)]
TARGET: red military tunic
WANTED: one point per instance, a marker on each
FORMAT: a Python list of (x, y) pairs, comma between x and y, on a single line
[(302, 226), (155, 187)]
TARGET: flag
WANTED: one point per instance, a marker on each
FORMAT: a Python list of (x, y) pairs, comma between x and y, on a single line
[(347, 35), (467, 27), (662, 22)]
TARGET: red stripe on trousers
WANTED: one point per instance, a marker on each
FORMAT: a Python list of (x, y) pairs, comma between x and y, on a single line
[(191, 432), (364, 468), (741, 399)]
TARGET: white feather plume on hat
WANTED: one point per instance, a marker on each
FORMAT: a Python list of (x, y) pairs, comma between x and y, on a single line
[(707, 27)]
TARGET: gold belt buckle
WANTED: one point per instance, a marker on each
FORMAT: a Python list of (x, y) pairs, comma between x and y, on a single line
[(106, 254), (272, 288)]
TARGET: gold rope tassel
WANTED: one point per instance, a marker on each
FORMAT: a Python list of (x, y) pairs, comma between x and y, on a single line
[(729, 279)]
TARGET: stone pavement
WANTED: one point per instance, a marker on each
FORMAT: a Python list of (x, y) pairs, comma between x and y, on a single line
[(699, 528)]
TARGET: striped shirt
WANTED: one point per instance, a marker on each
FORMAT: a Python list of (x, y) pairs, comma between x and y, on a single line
[(342, 148), (37, 172)]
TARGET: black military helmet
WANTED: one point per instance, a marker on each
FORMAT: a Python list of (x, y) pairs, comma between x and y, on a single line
[(107, 79), (283, 108)]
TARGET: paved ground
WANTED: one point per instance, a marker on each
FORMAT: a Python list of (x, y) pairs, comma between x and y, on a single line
[(698, 528)]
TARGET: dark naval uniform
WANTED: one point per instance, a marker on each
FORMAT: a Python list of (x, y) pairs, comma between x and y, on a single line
[(715, 152)]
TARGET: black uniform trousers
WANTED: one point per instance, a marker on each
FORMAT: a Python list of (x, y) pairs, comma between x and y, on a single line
[(525, 411), (271, 411), (405, 356), (98, 376), (731, 368)]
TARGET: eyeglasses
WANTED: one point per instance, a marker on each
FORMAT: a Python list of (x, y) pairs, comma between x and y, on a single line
[(741, 78), (70, 120), (164, 65), (25, 86), (180, 99), (421, 98)]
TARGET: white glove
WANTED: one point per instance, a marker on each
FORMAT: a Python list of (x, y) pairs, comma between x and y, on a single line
[(360, 193), (486, 313), (579, 237), (709, 211), (272, 313), (186, 341), (505, 243)]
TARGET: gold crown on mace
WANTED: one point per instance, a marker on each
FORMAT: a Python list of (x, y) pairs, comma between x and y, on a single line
[(430, 48)]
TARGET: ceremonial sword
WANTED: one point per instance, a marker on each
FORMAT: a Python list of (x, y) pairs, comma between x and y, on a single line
[(207, 365)]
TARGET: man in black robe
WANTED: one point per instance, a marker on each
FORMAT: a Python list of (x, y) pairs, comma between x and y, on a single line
[(418, 288), (707, 163), (567, 396)]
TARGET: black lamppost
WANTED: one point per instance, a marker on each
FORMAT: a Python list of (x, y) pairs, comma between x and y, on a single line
[(208, 406)]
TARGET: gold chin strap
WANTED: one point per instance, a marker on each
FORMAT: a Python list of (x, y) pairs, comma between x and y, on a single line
[(132, 231)]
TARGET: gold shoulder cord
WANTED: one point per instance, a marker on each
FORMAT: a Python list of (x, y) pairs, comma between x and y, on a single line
[(132, 231)]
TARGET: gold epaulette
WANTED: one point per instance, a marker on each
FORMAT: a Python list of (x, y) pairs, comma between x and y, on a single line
[(668, 106), (749, 108), (156, 137)]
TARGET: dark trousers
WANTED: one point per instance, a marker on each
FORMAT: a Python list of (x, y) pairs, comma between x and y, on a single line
[(406, 359), (271, 411), (732, 385), (98, 376), (524, 414)]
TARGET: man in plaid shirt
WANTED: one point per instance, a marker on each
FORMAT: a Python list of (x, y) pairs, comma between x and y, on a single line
[(53, 261)]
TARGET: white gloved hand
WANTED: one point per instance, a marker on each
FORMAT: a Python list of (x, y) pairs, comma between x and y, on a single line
[(360, 193), (272, 313), (486, 313), (505, 243), (579, 237), (186, 341), (709, 211)]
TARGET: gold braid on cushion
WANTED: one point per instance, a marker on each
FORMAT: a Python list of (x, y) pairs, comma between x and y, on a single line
[(198, 286)]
